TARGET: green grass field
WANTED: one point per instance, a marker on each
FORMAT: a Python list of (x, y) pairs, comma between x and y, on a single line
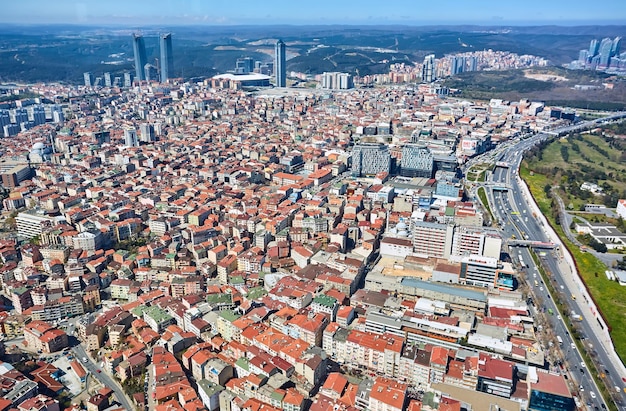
[(483, 199), (589, 158)]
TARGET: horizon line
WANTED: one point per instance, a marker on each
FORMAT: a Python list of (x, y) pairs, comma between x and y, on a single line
[(570, 24)]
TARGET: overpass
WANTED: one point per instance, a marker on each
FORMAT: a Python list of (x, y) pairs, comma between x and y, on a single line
[(531, 243)]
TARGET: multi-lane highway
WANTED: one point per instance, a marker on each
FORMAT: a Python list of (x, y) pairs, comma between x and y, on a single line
[(516, 215)]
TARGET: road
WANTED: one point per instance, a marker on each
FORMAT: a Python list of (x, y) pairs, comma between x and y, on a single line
[(522, 224), (104, 378)]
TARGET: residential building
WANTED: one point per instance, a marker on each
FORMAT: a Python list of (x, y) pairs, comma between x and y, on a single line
[(432, 239)]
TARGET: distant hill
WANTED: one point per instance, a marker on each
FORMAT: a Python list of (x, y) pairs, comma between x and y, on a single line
[(63, 53), (557, 87)]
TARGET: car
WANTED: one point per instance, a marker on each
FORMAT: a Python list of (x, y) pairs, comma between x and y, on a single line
[(99, 371), (581, 388), (592, 394), (582, 364)]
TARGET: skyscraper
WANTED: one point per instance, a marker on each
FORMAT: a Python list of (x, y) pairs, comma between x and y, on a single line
[(108, 79), (280, 66), (88, 77), (606, 46), (428, 69), (128, 79), (130, 137), (594, 47), (457, 65), (167, 59), (473, 64), (616, 45), (139, 49), (147, 132)]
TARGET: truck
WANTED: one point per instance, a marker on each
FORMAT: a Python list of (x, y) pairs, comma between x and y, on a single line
[(576, 317)]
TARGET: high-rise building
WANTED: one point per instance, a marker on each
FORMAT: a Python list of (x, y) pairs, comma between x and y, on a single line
[(417, 161), (130, 138), (139, 50), (337, 81), (108, 79), (280, 65), (5, 119), (473, 63), (37, 114), (147, 132), (244, 65), (615, 46), (428, 69), (370, 159), (20, 115), (88, 77), (57, 114), (167, 59), (150, 73), (479, 241), (128, 79), (606, 46), (594, 47), (457, 65), (432, 239)]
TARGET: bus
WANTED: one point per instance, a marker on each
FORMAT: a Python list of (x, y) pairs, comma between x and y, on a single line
[(522, 263), (559, 339)]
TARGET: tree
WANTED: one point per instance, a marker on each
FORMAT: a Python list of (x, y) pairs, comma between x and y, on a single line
[(598, 246), (565, 153), (546, 189)]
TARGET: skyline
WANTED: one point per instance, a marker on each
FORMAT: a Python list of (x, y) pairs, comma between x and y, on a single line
[(367, 12)]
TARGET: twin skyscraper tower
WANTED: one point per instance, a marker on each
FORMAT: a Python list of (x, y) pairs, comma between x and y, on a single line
[(145, 70)]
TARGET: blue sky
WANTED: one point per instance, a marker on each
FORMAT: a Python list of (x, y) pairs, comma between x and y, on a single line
[(231, 12)]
